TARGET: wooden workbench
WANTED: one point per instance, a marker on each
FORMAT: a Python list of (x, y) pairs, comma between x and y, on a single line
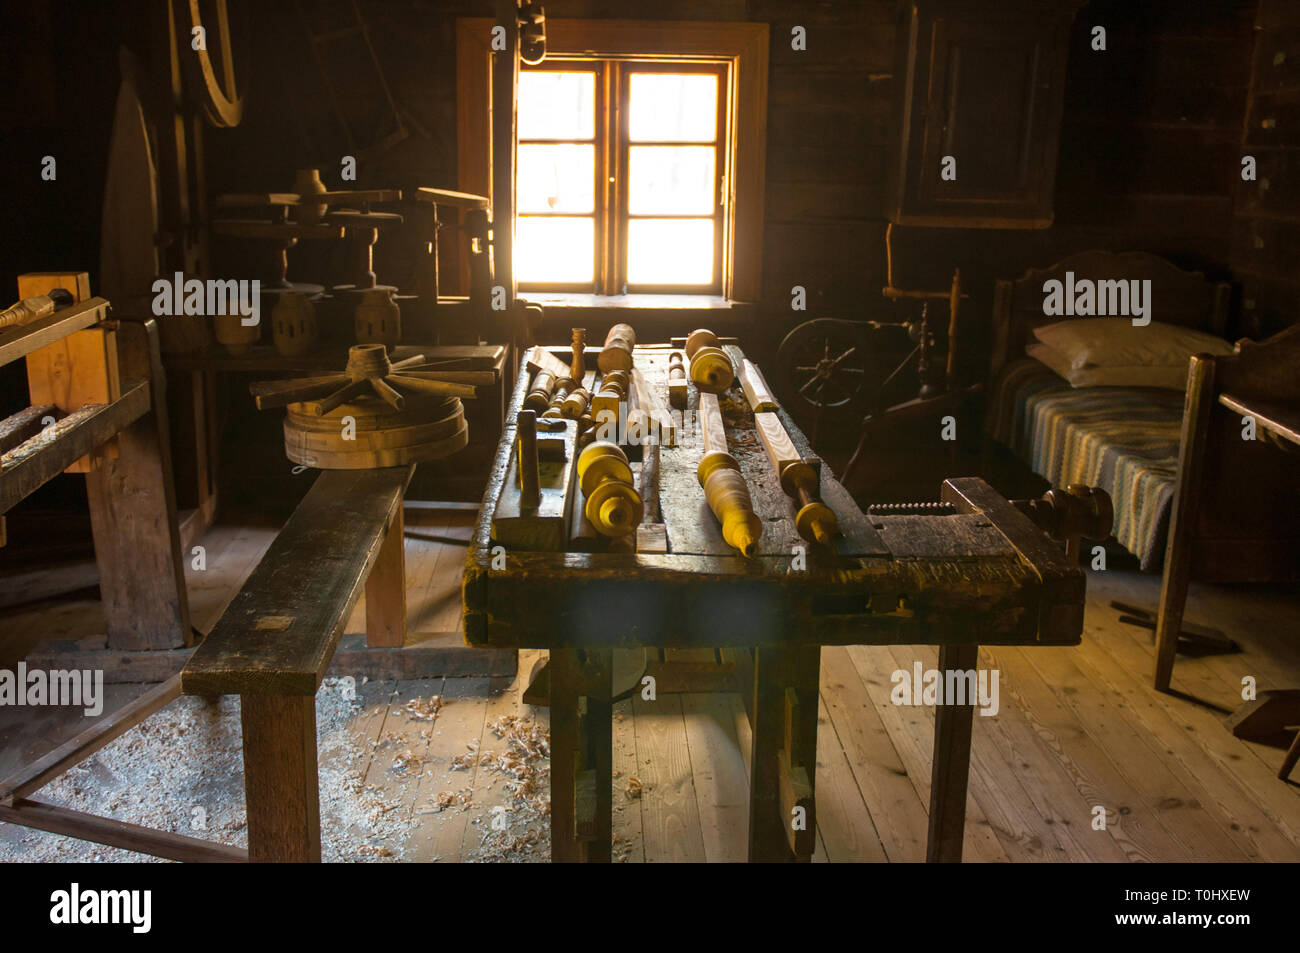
[(986, 575)]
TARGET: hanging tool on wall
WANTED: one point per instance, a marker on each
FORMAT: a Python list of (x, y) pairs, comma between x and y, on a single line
[(532, 33)]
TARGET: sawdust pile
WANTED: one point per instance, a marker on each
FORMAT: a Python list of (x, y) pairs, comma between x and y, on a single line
[(181, 770), (517, 828)]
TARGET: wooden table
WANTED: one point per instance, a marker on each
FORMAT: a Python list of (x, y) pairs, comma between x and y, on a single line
[(985, 576)]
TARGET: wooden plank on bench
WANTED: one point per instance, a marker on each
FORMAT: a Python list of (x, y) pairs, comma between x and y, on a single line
[(278, 634)]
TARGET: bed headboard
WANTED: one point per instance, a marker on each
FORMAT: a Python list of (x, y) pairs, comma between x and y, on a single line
[(1178, 297)]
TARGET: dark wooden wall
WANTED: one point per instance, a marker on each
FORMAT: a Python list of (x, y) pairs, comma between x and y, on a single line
[(1266, 227), (1149, 156)]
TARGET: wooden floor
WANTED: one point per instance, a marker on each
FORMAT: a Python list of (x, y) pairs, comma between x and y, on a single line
[(1079, 733)]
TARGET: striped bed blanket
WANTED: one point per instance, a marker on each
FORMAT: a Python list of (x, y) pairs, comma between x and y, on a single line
[(1123, 439)]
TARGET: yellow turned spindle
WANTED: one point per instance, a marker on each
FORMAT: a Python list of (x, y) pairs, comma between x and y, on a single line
[(728, 496), (613, 505), (711, 368)]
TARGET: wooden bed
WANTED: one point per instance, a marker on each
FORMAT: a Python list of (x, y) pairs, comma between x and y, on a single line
[(1229, 515)]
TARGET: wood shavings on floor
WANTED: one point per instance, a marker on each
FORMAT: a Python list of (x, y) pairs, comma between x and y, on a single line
[(181, 770), (518, 830)]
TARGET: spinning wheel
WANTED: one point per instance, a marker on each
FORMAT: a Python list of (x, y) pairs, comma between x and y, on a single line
[(834, 371)]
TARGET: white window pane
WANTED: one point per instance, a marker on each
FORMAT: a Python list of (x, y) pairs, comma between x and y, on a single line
[(556, 178), (669, 251), (554, 250), (556, 105), (671, 180), (674, 107)]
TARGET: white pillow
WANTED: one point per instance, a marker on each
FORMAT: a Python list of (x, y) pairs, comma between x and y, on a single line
[(1116, 342), (1168, 376)]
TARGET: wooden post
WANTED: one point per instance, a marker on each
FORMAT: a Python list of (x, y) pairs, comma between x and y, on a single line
[(386, 591), (581, 755), (281, 785), (783, 765), (133, 515), (951, 768), (1197, 411)]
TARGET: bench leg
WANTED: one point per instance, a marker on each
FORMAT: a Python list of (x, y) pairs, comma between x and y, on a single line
[(386, 591), (951, 768), (782, 812), (582, 755), (281, 786)]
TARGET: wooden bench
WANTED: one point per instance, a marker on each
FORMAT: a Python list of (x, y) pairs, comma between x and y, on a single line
[(275, 641)]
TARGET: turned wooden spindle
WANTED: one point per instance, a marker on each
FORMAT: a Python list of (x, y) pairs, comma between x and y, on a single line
[(539, 396), (728, 496), (613, 505), (676, 380), (577, 369), (613, 390), (616, 355), (801, 481), (710, 368), (563, 387), (575, 404), (815, 521)]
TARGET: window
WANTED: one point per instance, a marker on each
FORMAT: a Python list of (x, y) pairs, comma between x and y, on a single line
[(673, 113), (620, 171)]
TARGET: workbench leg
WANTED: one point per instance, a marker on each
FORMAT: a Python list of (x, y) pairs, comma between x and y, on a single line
[(782, 812), (951, 768), (386, 591), (281, 785), (582, 753)]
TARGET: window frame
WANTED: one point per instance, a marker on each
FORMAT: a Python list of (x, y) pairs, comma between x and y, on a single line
[(741, 46), (612, 215), (600, 142)]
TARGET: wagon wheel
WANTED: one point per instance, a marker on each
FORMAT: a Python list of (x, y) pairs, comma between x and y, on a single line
[(219, 92)]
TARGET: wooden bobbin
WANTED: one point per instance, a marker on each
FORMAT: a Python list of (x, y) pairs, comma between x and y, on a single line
[(617, 353), (613, 505), (711, 368), (724, 487)]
